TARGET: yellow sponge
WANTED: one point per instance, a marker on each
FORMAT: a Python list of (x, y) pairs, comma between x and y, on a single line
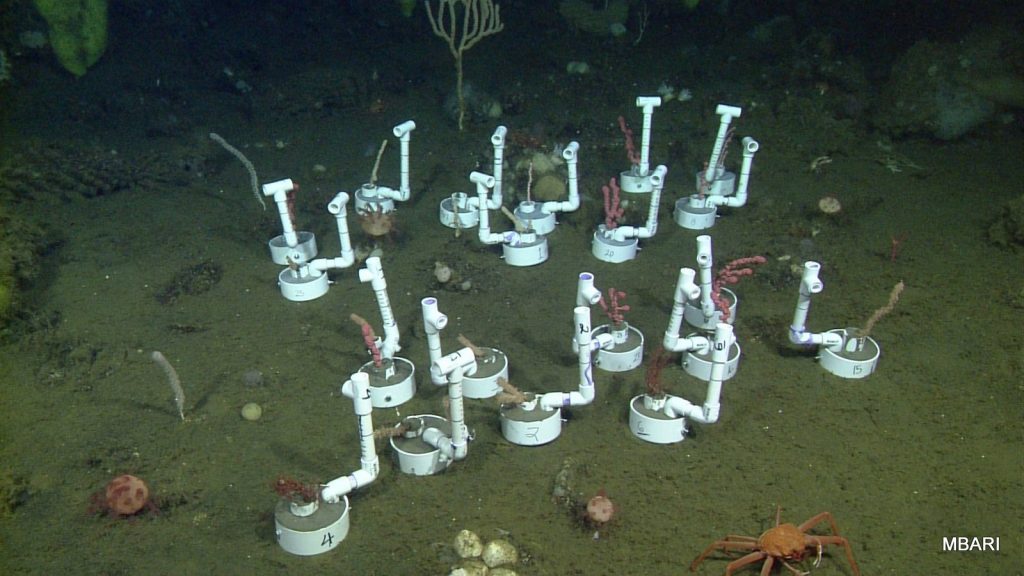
[(78, 31)]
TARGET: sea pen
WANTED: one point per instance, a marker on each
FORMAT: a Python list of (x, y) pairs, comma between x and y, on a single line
[(172, 379), (254, 181)]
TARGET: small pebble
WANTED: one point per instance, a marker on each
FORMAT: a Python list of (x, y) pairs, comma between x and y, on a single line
[(253, 378)]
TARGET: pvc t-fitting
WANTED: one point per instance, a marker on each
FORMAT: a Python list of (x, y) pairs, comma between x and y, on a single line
[(648, 103), (432, 317), (728, 112), (809, 282), (750, 146), (586, 293)]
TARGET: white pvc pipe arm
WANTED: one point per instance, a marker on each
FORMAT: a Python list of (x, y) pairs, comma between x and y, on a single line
[(498, 167), (750, 147), (648, 104), (483, 184), (727, 113), (798, 334), (685, 291), (348, 256), (279, 192), (585, 345), (650, 228), (358, 389), (433, 322), (374, 274), (498, 143), (708, 412), (704, 262), (570, 154), (453, 367), (404, 133), (337, 207)]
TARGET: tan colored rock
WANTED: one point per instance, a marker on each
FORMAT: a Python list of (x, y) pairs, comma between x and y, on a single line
[(467, 544), (499, 552)]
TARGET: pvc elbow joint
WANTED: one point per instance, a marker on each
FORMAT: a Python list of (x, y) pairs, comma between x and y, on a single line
[(658, 176), (570, 151), (800, 336), (498, 138), (670, 341), (404, 128), (338, 203), (710, 413)]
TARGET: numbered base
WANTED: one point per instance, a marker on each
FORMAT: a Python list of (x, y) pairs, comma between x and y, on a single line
[(539, 221), (415, 456), (526, 253), (309, 534), (723, 185), (455, 213), (627, 353), (484, 382), (694, 217), (611, 250), (393, 384), (373, 198), (303, 283), (304, 251), (698, 365), (649, 423), (694, 314), (528, 424), (856, 358), (633, 183)]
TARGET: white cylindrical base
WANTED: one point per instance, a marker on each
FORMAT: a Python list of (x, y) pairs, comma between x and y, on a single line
[(455, 213), (415, 456), (484, 382), (724, 185), (316, 533), (611, 250), (526, 253), (648, 423), (368, 199), (539, 221), (392, 384), (530, 425), (281, 252), (624, 355), (302, 284), (633, 183), (857, 358), (693, 217), (694, 314), (698, 365)]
